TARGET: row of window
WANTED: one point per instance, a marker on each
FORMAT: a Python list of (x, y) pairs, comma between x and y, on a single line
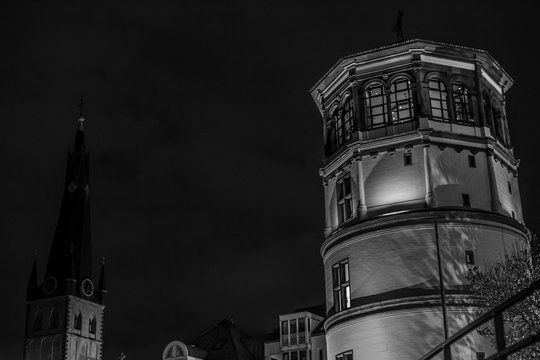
[(54, 322), (293, 331), (397, 105), (295, 355)]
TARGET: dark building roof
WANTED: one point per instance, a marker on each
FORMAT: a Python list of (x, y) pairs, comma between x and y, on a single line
[(226, 341)]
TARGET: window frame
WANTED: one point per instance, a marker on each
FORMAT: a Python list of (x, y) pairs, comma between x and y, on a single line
[(369, 107), (341, 285), (442, 100), (408, 101), (462, 99), (344, 199), (345, 355)]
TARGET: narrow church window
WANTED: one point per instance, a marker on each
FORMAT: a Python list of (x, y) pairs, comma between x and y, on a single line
[(401, 101), (77, 324), (466, 200), (38, 322), (321, 354), (375, 103), (342, 290), (472, 161), (407, 159), (303, 355), (462, 102), (294, 355), (509, 187), (294, 334), (54, 319), (92, 325), (469, 257), (344, 199), (286, 356), (438, 99)]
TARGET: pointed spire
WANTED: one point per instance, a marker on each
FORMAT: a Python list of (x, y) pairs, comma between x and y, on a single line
[(70, 257), (102, 286), (32, 281)]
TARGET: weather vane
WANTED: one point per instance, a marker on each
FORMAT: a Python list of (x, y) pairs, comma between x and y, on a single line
[(398, 28)]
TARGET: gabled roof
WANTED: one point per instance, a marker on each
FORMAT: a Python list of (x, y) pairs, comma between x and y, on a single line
[(226, 341)]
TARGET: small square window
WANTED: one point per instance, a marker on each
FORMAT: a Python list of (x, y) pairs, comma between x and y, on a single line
[(509, 187), (472, 161), (407, 159), (469, 257), (466, 200), (480, 356)]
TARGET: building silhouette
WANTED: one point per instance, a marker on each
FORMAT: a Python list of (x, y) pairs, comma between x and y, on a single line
[(64, 316)]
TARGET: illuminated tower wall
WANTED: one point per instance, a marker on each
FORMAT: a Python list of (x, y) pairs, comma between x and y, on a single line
[(418, 172)]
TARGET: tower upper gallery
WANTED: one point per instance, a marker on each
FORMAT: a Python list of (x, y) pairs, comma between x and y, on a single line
[(391, 116)]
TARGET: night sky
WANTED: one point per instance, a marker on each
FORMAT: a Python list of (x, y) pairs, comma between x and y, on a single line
[(205, 146)]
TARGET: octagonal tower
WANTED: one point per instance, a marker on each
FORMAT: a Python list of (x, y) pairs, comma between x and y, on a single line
[(420, 183)]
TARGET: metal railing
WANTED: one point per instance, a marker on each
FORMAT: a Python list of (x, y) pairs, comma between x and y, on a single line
[(497, 315)]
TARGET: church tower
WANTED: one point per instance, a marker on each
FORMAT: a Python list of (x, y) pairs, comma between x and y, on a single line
[(64, 316), (420, 184)]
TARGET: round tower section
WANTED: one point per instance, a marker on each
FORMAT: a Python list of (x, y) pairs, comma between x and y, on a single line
[(420, 184)]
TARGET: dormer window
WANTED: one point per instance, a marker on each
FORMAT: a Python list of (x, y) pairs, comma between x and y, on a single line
[(438, 99), (462, 102)]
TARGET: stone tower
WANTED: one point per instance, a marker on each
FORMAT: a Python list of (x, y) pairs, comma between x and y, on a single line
[(420, 183), (64, 316)]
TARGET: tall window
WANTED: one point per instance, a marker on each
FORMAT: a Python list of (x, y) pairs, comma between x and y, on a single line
[(344, 199), (462, 102), (92, 325), (401, 101), (293, 332), (342, 289), (54, 319), (348, 118), (302, 331), (38, 322), (77, 323), (438, 99), (341, 124), (347, 355), (375, 103), (285, 333)]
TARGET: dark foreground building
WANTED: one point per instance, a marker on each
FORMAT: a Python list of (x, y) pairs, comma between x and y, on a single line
[(64, 316)]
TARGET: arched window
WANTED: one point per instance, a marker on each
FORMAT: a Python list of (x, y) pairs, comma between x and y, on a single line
[(375, 103), (77, 323), (438, 99), (348, 118), (335, 133), (53, 324), (401, 101), (92, 325), (462, 102), (38, 322)]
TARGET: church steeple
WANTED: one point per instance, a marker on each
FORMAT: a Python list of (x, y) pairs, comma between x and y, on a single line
[(70, 257), (65, 311)]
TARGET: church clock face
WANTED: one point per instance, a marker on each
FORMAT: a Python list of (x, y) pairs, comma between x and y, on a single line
[(49, 285), (87, 287)]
